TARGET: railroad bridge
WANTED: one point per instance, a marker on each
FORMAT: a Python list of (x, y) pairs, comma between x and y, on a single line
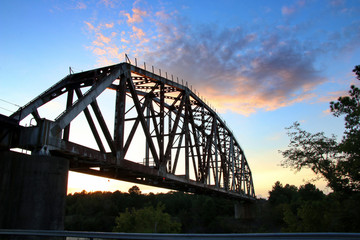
[(159, 133)]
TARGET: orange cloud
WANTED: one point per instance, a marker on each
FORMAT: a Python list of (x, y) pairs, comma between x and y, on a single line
[(102, 38), (90, 26), (333, 96), (104, 46), (138, 32), (222, 63), (136, 17), (124, 40), (109, 25), (99, 51), (245, 102)]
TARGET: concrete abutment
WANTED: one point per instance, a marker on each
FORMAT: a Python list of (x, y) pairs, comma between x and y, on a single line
[(244, 210), (32, 191)]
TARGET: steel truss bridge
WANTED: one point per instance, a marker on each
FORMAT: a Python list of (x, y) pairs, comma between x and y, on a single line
[(160, 133)]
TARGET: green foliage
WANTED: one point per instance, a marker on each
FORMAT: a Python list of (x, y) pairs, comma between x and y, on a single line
[(289, 208), (338, 163), (196, 213), (307, 209), (146, 220), (350, 145), (90, 211), (314, 151), (309, 217), (309, 192)]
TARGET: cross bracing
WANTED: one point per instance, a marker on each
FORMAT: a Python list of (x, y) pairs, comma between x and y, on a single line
[(185, 145)]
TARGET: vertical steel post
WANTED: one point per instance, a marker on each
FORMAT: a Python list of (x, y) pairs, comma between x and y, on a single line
[(216, 154), (169, 131), (120, 117), (232, 161), (161, 137), (146, 142), (69, 102), (243, 172), (203, 158), (186, 128)]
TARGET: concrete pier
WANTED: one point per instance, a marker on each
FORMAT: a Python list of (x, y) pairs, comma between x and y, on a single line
[(244, 210), (32, 191)]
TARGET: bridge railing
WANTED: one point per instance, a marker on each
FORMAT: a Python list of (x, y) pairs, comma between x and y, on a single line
[(152, 236)]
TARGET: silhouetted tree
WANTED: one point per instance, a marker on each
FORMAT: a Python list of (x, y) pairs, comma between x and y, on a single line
[(338, 163), (280, 195), (134, 190), (309, 192)]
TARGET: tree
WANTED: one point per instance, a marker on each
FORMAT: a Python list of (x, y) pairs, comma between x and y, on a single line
[(309, 217), (309, 192), (350, 145), (314, 151), (146, 220), (134, 190), (281, 195), (338, 163)]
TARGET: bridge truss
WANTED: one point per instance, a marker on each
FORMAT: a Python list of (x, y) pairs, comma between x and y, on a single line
[(178, 141)]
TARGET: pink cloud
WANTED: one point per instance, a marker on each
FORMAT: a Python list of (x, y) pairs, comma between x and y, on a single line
[(109, 25), (333, 96), (90, 26), (99, 51), (223, 63), (136, 17), (138, 32), (102, 38)]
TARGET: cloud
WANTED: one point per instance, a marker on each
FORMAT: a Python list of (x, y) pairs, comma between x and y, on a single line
[(103, 45), (333, 96), (337, 2), (138, 33), (287, 10), (80, 5), (240, 70), (137, 16), (109, 25), (108, 3), (99, 51), (231, 70), (90, 26)]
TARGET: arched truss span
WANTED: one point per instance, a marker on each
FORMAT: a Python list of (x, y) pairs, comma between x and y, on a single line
[(185, 145)]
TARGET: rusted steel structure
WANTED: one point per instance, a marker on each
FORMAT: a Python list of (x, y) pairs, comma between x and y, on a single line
[(185, 145)]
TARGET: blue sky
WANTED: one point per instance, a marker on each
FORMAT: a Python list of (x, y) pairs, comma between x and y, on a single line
[(262, 64)]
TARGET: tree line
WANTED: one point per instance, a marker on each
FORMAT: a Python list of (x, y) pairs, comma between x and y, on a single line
[(288, 209)]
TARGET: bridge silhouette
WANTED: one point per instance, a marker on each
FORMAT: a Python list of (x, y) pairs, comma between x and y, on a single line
[(163, 134)]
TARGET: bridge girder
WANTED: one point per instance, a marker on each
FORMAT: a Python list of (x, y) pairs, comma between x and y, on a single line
[(187, 145)]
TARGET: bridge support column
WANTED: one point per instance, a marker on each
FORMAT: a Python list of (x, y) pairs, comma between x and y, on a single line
[(244, 210), (32, 191)]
